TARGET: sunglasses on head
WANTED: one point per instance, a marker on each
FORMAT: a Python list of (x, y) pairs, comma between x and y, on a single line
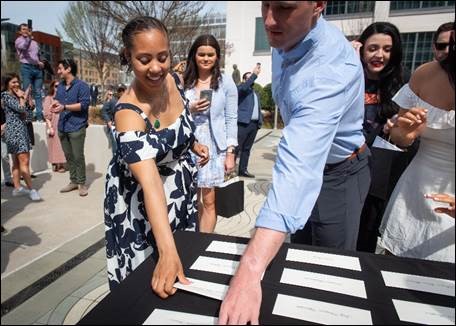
[(441, 46)]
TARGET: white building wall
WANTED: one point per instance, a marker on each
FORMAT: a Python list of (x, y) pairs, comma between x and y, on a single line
[(406, 22), (420, 23), (240, 33)]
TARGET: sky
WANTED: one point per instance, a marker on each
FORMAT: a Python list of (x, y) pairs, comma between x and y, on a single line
[(46, 15)]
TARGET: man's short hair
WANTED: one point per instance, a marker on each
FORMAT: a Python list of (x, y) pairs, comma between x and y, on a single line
[(442, 28), (244, 76), (69, 63), (23, 24)]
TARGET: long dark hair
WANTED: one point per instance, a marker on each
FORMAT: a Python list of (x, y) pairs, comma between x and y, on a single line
[(391, 77), (191, 71), (8, 77), (52, 91), (448, 64)]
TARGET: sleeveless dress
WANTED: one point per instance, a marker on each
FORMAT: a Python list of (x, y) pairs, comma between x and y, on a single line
[(410, 226), (211, 174), (129, 238)]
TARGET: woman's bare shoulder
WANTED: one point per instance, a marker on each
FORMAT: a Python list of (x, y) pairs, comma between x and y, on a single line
[(424, 74)]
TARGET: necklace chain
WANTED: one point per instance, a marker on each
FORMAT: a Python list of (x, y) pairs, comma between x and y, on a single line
[(205, 81)]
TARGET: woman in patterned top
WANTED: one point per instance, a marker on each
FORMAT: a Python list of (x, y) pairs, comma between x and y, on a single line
[(16, 104), (150, 186)]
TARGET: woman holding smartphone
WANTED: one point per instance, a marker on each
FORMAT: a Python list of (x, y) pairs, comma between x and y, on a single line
[(214, 105)]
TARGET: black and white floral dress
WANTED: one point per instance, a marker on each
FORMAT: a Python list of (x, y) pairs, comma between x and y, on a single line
[(16, 134), (129, 238)]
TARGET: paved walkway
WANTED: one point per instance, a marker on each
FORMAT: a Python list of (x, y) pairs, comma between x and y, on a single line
[(53, 256)]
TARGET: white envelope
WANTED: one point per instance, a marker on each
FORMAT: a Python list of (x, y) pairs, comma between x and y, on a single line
[(207, 289), (422, 313), (324, 282), (169, 317), (379, 142), (320, 312)]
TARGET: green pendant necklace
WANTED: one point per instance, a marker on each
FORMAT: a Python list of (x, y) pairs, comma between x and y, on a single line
[(156, 123)]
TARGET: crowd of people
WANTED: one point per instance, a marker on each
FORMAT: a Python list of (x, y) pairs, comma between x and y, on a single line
[(176, 133)]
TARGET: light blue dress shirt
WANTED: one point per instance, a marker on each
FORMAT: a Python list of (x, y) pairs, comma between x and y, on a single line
[(319, 87), (255, 111)]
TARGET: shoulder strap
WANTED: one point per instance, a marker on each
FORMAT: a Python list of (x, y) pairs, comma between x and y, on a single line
[(180, 87), (129, 106)]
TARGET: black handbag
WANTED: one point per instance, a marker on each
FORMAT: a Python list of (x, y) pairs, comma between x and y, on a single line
[(387, 167), (229, 198)]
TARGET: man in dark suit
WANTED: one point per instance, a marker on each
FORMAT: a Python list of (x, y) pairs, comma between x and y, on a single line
[(93, 94), (250, 119)]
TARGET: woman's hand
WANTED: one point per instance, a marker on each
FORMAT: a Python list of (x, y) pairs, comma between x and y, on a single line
[(357, 46), (56, 107), (169, 267), (389, 124), (229, 163), (411, 124), (199, 105), (202, 151), (19, 93), (443, 198)]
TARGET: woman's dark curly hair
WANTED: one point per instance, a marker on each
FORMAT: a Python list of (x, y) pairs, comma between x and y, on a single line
[(391, 77), (191, 72)]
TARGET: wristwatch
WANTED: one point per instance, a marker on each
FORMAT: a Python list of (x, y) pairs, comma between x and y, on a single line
[(230, 150), (64, 107)]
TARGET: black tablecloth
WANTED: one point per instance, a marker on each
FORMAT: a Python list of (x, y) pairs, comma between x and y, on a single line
[(133, 301)]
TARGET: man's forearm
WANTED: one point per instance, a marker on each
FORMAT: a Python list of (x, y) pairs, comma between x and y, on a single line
[(73, 107), (262, 248)]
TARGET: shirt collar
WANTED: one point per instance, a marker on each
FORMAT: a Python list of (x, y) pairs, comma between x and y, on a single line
[(304, 46), (72, 83)]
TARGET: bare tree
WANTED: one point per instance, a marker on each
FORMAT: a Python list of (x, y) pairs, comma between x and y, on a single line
[(182, 18), (94, 33)]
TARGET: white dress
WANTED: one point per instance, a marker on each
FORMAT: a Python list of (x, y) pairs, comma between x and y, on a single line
[(410, 227)]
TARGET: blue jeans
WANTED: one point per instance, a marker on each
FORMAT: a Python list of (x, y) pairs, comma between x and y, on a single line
[(112, 139), (32, 75)]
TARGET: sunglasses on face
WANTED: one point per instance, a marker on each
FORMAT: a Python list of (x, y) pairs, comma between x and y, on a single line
[(441, 46)]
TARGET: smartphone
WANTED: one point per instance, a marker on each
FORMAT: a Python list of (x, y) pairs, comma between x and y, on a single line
[(206, 94), (29, 24)]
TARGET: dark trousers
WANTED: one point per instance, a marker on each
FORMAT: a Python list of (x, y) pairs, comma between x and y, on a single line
[(371, 218), (335, 218), (246, 137), (73, 147)]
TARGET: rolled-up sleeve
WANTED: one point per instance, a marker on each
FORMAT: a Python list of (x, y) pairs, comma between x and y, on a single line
[(297, 177), (231, 110), (84, 97)]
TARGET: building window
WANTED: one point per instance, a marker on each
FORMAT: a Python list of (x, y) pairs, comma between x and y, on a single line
[(348, 7), (407, 5), (417, 49), (261, 39)]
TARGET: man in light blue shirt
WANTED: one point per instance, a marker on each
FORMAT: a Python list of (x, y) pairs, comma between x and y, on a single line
[(321, 169)]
